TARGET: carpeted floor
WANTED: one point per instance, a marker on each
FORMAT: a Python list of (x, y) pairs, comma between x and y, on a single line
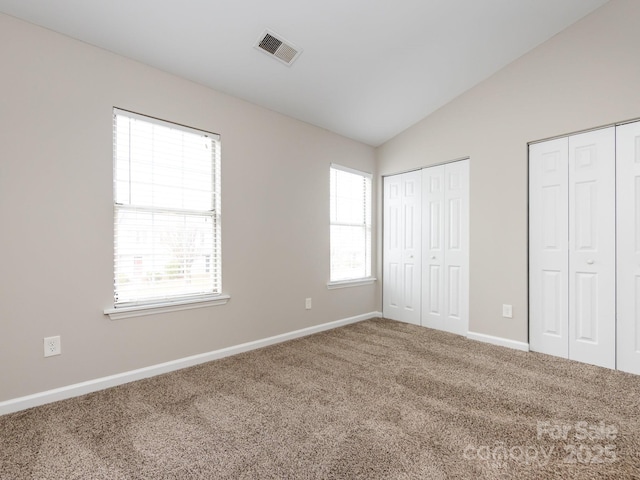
[(377, 399)]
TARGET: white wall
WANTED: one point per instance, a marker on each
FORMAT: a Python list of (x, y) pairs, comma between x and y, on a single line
[(56, 215), (586, 76)]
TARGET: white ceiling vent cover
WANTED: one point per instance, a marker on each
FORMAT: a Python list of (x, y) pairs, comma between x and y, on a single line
[(277, 47)]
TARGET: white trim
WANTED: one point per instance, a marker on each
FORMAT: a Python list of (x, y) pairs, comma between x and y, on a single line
[(351, 170), (117, 313), (89, 386), (501, 342), (351, 283), (164, 123)]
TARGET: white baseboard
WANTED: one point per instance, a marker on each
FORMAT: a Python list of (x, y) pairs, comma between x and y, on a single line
[(502, 342), (89, 386)]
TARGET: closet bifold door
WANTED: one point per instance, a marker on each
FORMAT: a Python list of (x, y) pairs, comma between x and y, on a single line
[(401, 247), (433, 220), (445, 258), (628, 262), (592, 248), (548, 247)]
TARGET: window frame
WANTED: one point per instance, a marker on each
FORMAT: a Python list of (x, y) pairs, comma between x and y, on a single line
[(367, 225), (171, 301)]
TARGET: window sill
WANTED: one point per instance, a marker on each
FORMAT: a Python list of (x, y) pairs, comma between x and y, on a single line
[(351, 283), (140, 310)]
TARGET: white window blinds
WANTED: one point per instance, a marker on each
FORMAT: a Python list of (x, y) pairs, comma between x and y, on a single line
[(167, 211), (350, 224)]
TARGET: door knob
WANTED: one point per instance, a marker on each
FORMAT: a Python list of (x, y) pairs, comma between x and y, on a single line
[(433, 258), (590, 262)]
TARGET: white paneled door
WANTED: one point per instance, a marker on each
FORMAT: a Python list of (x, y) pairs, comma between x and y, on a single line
[(426, 245), (628, 270), (402, 251), (572, 247), (592, 249), (548, 247), (445, 260)]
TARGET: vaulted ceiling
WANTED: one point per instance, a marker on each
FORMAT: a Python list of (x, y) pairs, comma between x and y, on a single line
[(368, 68)]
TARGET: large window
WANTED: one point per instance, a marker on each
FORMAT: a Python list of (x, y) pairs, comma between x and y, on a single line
[(167, 212), (350, 219)]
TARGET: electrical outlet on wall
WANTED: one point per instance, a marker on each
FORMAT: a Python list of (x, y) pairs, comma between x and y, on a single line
[(507, 311), (52, 346), (307, 303)]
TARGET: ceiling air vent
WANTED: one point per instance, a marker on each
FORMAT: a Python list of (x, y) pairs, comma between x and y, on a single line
[(277, 47)]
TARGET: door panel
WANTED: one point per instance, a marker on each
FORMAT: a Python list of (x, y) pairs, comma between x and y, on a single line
[(401, 248), (392, 280), (434, 303), (548, 243), (392, 284), (433, 308), (592, 277), (456, 256), (445, 256), (586, 291), (455, 293), (455, 224), (628, 243), (554, 318), (409, 285)]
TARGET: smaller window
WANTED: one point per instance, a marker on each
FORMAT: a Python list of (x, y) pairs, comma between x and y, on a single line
[(350, 224)]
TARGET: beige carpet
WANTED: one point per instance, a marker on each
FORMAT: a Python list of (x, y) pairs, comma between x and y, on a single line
[(378, 399)]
